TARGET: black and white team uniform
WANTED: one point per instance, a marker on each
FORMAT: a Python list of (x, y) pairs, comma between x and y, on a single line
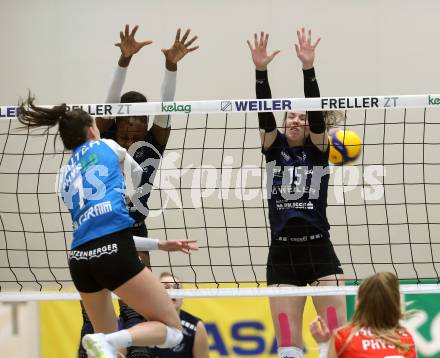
[(185, 348), (300, 252)]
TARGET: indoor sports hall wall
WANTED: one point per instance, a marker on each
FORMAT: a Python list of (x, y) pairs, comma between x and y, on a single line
[(63, 50)]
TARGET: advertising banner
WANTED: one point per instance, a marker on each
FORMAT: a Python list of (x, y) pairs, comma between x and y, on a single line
[(237, 327)]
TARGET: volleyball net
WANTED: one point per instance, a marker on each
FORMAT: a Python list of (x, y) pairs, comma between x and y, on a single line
[(211, 186)]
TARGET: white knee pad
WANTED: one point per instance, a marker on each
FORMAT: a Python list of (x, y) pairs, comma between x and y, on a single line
[(173, 338)]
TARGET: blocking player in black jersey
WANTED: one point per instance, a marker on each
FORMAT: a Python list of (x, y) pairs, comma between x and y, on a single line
[(151, 145), (195, 338), (301, 252)]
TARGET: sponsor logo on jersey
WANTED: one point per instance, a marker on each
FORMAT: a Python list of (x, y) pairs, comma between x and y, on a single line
[(285, 156), (95, 253), (94, 211)]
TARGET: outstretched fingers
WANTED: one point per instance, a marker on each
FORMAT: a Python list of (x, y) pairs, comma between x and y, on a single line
[(316, 42), (309, 37), (145, 43), (249, 45), (261, 42), (190, 49), (274, 54), (187, 247), (185, 36), (300, 36), (133, 32), (266, 40), (189, 43), (178, 34)]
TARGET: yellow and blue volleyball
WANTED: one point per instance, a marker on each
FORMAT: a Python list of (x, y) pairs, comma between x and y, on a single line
[(345, 146)]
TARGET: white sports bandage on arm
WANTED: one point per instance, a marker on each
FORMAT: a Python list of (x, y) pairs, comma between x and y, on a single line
[(145, 243), (168, 91), (116, 85)]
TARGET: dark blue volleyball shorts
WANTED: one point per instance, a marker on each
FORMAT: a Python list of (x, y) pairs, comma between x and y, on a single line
[(301, 260)]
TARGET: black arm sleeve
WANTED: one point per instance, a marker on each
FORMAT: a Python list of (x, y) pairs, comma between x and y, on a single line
[(311, 89), (266, 120)]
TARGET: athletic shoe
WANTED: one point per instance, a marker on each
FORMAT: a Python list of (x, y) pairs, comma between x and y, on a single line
[(97, 346)]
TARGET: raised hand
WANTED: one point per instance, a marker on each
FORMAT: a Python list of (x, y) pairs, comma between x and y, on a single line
[(319, 330), (128, 45), (259, 52), (185, 246), (304, 48), (180, 48)]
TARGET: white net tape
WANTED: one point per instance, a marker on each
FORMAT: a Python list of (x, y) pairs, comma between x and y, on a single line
[(227, 292), (249, 105)]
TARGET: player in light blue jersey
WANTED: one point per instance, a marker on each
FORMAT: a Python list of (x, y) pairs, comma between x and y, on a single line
[(131, 131), (93, 187), (103, 256)]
